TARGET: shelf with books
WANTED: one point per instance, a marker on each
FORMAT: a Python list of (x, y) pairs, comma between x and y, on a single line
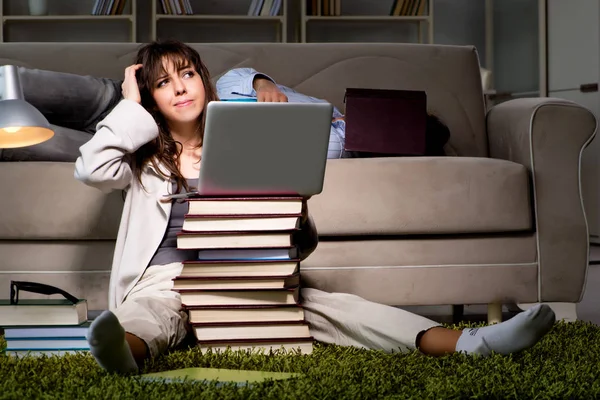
[(212, 21), (113, 21), (334, 13), (66, 17)]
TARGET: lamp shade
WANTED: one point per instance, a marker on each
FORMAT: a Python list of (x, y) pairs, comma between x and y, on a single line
[(21, 124)]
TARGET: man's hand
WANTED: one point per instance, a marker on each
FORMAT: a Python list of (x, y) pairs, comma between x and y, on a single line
[(267, 91)]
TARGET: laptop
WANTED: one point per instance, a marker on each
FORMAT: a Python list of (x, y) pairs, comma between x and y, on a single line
[(264, 149)]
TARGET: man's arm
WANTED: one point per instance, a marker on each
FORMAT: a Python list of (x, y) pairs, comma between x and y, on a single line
[(248, 81), (267, 90)]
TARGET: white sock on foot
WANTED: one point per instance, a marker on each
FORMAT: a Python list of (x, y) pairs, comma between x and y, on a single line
[(518, 333), (107, 342)]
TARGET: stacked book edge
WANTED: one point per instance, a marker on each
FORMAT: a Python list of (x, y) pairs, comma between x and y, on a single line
[(242, 291)]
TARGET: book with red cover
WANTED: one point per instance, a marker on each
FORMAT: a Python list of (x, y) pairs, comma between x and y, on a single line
[(251, 330), (386, 121), (235, 239), (240, 222)]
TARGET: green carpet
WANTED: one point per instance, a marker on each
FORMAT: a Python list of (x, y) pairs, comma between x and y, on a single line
[(565, 364)]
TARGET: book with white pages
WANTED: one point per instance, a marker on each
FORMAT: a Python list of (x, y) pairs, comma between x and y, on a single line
[(250, 268), (242, 222), (233, 240)]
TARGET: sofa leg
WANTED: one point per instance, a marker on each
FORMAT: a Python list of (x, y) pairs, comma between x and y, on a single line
[(494, 313), (564, 311), (458, 313)]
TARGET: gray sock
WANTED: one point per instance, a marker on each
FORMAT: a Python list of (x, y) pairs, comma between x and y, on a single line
[(107, 342), (518, 333)]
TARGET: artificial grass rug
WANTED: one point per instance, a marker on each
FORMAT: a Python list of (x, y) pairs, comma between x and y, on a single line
[(565, 364)]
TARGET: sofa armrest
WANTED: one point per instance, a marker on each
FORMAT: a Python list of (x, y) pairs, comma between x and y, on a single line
[(547, 136)]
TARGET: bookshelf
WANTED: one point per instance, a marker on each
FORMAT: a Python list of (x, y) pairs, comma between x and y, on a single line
[(333, 12), (66, 21), (218, 21)]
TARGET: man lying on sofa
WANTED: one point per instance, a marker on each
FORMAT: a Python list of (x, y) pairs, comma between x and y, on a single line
[(74, 104)]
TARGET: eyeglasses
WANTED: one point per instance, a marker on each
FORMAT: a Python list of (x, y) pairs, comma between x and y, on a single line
[(34, 287)]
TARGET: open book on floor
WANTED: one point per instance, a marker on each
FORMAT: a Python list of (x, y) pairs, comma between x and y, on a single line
[(215, 374)]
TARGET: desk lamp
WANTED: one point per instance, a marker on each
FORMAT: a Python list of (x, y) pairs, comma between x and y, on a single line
[(21, 124)]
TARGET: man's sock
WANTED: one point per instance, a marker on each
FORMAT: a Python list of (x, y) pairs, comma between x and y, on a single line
[(518, 333), (107, 342)]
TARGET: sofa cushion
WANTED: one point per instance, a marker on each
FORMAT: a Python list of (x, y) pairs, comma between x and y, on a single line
[(422, 195), (49, 203), (377, 196)]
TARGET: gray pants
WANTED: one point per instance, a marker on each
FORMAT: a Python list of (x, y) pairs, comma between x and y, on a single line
[(73, 104), (153, 312)]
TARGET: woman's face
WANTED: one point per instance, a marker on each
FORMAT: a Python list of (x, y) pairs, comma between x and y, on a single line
[(180, 94)]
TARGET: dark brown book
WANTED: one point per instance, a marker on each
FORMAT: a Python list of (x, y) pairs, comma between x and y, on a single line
[(236, 282), (251, 330), (245, 313), (236, 297), (235, 268), (386, 121)]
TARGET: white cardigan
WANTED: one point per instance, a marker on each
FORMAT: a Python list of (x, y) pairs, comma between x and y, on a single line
[(105, 164)]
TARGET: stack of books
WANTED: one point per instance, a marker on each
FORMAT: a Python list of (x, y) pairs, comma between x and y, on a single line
[(242, 290), (44, 327)]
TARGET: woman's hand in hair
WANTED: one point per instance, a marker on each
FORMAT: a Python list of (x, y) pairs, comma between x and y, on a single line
[(130, 88)]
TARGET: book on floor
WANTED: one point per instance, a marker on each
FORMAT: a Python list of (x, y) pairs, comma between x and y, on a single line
[(40, 353), (46, 340), (41, 311), (47, 344), (48, 331), (215, 374)]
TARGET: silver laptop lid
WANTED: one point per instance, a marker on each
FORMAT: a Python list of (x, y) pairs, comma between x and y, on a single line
[(262, 149)]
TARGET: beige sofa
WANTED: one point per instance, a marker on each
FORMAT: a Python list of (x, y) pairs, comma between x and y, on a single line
[(500, 221)]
